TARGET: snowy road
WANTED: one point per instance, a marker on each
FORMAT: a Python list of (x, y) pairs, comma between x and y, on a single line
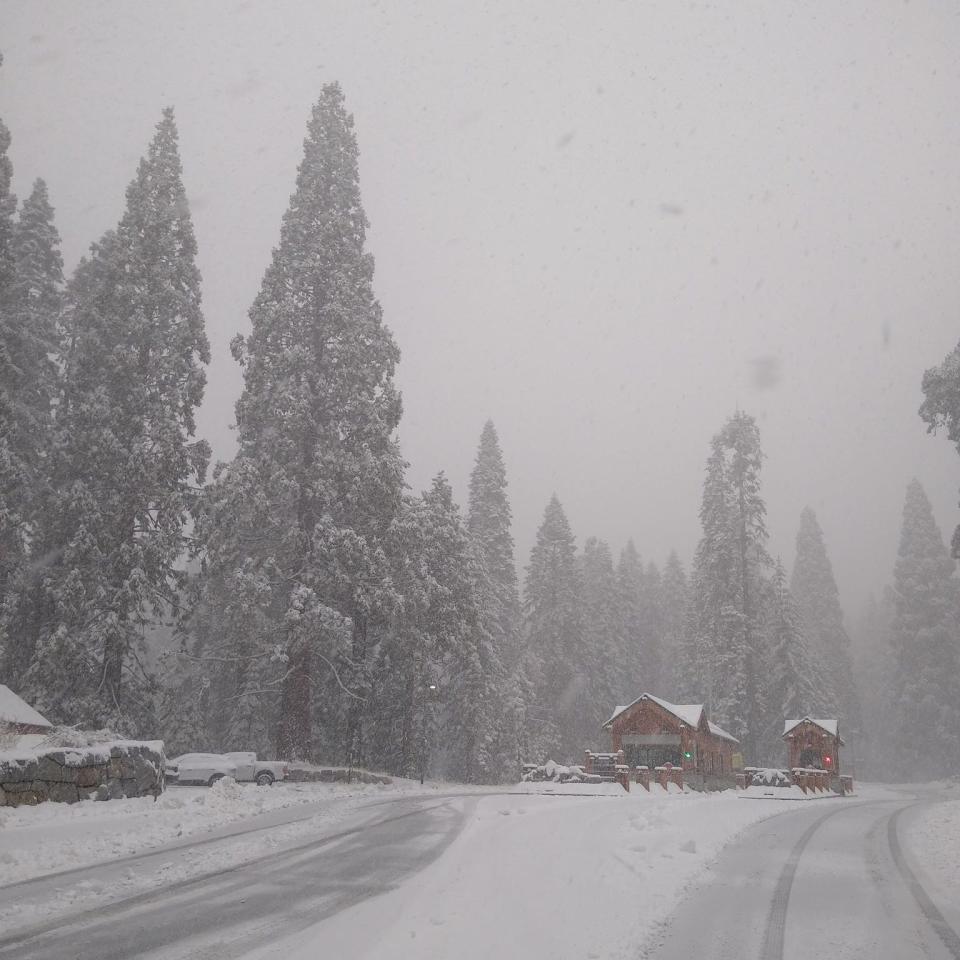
[(230, 911), (474, 876), (836, 883)]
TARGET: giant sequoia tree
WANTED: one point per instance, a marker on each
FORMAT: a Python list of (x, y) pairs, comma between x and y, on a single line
[(925, 640), (729, 570), (123, 464), (295, 525)]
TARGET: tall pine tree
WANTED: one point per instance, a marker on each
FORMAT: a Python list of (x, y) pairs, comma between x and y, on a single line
[(489, 521), (926, 647), (602, 657), (8, 206), (553, 615), (677, 656), (124, 464), (875, 673), (652, 616), (301, 515), (728, 580), (635, 672), (791, 690), (432, 662), (818, 600), (29, 328)]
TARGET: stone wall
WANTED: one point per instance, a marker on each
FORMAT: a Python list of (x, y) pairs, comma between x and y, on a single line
[(106, 771), (305, 772)]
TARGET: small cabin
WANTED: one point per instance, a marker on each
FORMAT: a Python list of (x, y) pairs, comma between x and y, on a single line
[(653, 732), (813, 744), (18, 718)]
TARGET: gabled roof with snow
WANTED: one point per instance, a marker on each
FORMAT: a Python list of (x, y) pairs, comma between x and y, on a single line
[(721, 733), (15, 710), (689, 713), (828, 726)]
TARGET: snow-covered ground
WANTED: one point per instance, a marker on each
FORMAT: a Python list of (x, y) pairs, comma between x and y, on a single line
[(546, 876), (52, 837), (932, 835)]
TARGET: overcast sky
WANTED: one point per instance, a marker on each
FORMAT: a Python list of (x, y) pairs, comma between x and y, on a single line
[(605, 225)]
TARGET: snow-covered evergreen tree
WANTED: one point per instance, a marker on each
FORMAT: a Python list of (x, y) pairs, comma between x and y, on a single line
[(941, 408), (489, 521), (435, 667), (553, 623), (791, 691), (124, 465), (815, 590), (634, 674), (926, 646), (602, 652), (651, 593), (8, 206), (678, 658), (875, 670), (30, 313), (729, 571), (296, 524)]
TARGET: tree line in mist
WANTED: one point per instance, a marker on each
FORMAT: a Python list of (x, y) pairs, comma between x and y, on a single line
[(310, 605)]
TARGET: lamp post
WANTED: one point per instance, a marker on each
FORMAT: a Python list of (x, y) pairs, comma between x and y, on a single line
[(431, 695)]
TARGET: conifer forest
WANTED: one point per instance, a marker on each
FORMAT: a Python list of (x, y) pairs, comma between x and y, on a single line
[(300, 596)]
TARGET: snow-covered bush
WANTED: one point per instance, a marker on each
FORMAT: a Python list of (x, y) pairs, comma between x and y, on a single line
[(559, 773), (770, 777)]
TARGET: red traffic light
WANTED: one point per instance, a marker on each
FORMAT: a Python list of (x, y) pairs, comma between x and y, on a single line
[(828, 760)]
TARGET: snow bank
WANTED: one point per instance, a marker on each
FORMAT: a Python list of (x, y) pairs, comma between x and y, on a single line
[(933, 837), (536, 876), (51, 837)]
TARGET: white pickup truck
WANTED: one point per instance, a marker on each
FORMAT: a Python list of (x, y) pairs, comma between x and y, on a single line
[(262, 772), (210, 767)]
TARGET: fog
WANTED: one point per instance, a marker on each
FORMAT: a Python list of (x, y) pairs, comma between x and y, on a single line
[(606, 226)]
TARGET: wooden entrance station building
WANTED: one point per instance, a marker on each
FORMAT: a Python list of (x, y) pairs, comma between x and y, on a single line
[(653, 732), (813, 744)]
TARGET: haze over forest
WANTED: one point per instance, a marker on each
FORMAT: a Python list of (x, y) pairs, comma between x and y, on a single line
[(604, 226)]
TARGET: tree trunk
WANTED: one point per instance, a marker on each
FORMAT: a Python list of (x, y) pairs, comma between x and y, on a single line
[(356, 711), (295, 736)]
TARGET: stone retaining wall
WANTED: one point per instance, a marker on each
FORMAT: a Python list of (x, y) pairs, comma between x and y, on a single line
[(301, 774), (106, 771)]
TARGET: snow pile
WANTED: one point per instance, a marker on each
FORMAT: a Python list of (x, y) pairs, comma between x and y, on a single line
[(76, 754)]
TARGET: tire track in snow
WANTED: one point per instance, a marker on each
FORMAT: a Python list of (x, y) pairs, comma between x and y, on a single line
[(928, 908), (172, 890), (777, 920)]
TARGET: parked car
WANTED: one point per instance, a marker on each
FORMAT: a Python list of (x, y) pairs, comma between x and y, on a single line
[(205, 768), (261, 772)]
